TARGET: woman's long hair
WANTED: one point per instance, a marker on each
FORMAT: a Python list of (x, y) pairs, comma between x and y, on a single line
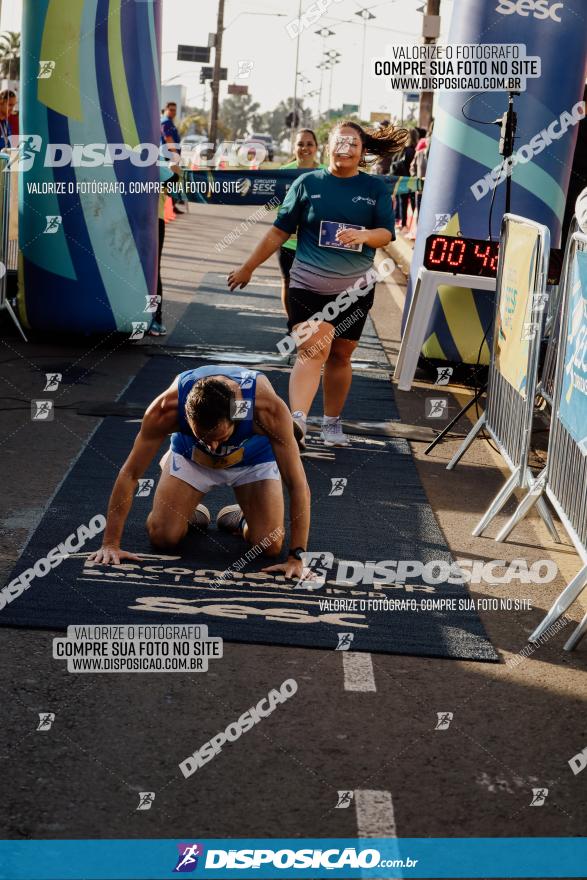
[(385, 141)]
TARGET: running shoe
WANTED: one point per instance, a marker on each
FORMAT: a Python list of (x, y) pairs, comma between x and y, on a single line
[(332, 432), (300, 427), (157, 329), (231, 519), (201, 517)]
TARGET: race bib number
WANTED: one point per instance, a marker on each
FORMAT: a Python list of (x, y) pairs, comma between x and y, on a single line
[(224, 461), (328, 230)]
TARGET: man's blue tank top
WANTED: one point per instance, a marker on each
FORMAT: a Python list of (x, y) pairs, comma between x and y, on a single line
[(244, 448)]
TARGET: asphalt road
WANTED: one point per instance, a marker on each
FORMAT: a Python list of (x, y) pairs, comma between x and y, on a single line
[(514, 728)]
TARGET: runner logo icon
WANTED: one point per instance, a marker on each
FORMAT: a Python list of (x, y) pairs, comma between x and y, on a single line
[(189, 853)]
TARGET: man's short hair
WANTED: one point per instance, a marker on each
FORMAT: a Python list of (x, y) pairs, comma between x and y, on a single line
[(7, 94), (170, 104), (209, 402)]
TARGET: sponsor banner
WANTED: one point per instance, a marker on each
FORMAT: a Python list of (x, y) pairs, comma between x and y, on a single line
[(238, 187), (573, 401), (513, 330), (89, 247), (298, 857), (464, 150)]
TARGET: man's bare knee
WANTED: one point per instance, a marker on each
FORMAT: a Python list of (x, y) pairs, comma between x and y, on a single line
[(164, 535), (271, 545)]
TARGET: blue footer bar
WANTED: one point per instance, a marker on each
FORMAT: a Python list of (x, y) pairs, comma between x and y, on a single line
[(437, 858)]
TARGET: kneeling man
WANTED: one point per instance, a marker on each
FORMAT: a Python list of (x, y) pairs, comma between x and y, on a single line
[(228, 428)]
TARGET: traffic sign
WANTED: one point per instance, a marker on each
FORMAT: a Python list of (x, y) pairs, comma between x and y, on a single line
[(199, 54)]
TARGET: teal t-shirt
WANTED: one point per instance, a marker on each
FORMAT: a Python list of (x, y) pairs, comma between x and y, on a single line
[(292, 242), (363, 200)]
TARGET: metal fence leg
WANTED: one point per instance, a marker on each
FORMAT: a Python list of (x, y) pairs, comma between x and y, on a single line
[(544, 512), (578, 634), (498, 502), (466, 443), (525, 505), (12, 314), (566, 598)]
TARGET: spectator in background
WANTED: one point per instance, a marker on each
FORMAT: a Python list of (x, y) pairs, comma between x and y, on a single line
[(157, 327), (305, 156), (383, 164), (7, 105), (170, 136), (419, 164), (402, 168), (420, 160)]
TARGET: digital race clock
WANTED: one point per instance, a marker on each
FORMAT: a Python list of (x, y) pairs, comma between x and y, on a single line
[(461, 256)]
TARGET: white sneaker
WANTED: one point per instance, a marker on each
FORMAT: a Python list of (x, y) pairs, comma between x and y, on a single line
[(300, 428), (230, 519), (200, 517), (332, 433)]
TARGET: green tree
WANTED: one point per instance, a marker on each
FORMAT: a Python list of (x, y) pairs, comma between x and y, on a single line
[(196, 120), (10, 55), (237, 113), (273, 122)]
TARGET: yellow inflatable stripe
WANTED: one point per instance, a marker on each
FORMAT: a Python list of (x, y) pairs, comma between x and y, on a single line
[(126, 118), (62, 44), (433, 349), (463, 321)]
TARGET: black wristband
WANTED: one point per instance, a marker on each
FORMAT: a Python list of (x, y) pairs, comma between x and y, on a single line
[(296, 553)]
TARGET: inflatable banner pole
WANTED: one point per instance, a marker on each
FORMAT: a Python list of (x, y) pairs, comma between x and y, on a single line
[(459, 187), (87, 222)]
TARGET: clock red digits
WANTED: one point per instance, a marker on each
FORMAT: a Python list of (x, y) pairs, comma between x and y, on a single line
[(459, 257), (483, 255), (435, 257)]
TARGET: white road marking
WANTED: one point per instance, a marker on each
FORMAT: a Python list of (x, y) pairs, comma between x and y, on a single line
[(375, 815), (358, 671)]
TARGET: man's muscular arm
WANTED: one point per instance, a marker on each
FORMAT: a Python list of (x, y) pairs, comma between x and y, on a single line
[(273, 418), (159, 421)]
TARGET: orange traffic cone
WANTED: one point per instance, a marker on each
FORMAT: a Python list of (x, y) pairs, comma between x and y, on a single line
[(169, 213)]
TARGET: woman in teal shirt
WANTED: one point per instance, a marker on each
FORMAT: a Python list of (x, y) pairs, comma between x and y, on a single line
[(341, 217), (306, 150)]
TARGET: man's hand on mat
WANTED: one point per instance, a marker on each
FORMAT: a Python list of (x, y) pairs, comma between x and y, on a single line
[(112, 556), (293, 568), (239, 278)]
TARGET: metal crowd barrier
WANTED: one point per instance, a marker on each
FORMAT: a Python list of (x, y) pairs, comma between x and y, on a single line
[(564, 478), (6, 257), (509, 411), (545, 387)]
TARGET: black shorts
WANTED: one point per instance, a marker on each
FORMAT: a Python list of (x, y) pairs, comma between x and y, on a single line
[(349, 324), (286, 256)]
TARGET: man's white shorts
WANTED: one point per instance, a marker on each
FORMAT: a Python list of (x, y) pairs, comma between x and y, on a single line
[(203, 479)]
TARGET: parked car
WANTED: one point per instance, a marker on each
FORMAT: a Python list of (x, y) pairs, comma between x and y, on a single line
[(267, 141), (191, 149)]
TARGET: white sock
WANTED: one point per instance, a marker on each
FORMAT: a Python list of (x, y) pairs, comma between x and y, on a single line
[(328, 420), (298, 414)]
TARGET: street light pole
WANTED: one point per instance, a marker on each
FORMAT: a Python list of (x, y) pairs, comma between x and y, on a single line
[(295, 95), (426, 98), (216, 74), (366, 15)]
